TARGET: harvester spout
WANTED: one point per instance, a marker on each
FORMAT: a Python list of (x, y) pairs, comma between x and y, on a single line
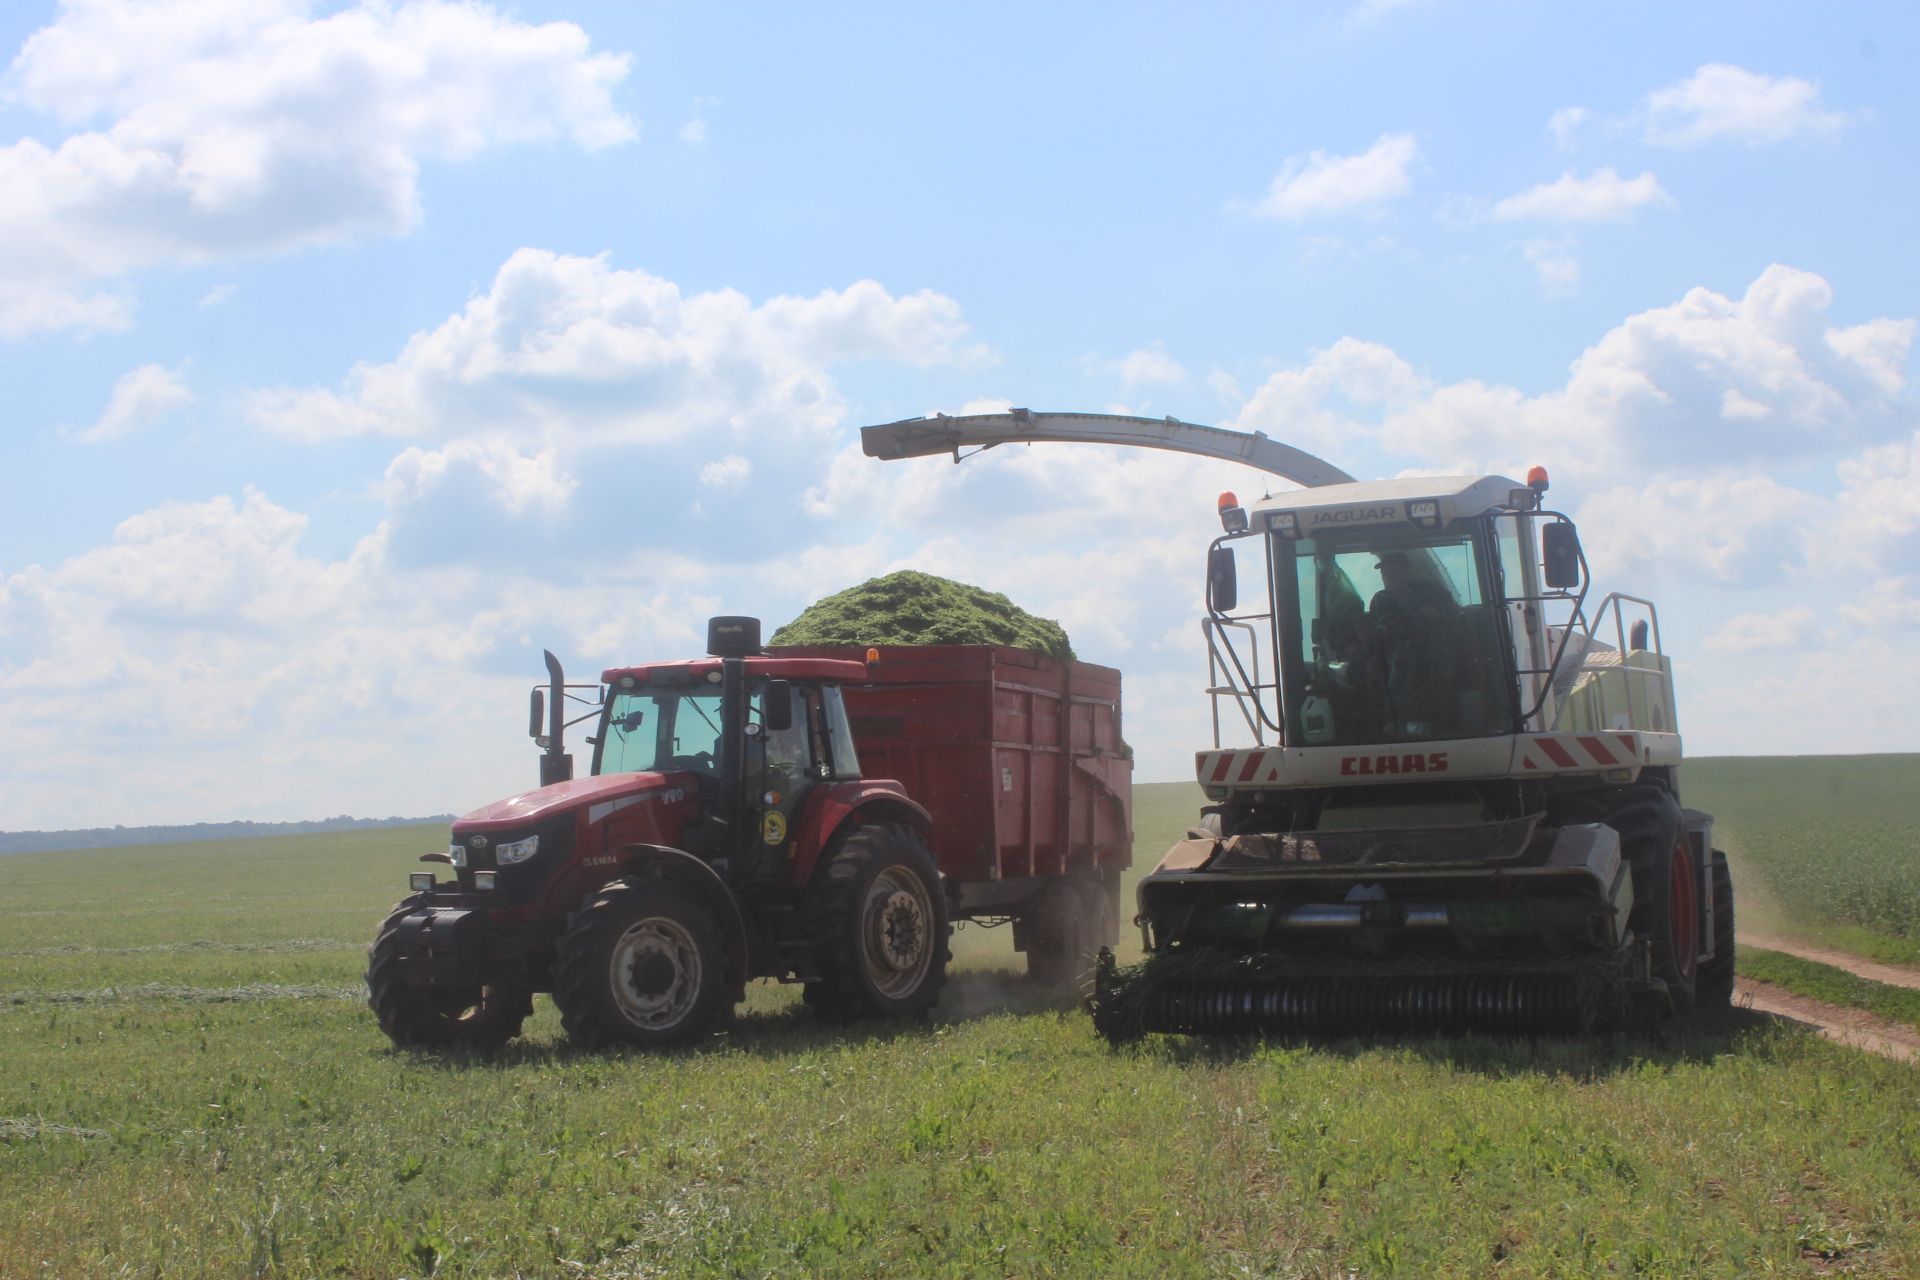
[(926, 437)]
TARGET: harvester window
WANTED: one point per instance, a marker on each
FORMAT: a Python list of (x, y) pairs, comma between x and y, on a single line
[(1395, 640)]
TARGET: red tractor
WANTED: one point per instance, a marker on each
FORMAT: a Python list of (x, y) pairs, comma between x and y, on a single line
[(725, 834)]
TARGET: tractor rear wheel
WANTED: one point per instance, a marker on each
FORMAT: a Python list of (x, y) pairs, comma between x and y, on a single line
[(1666, 896), (1062, 934), (877, 916), (438, 1017), (640, 964), (1714, 986)]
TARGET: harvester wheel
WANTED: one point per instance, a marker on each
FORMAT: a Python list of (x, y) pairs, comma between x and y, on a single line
[(1062, 935), (877, 914), (1666, 907), (1714, 986), (640, 964), (437, 1017)]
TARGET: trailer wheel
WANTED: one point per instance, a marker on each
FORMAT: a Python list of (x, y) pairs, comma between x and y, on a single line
[(877, 915), (1714, 985), (1666, 906), (465, 1017), (640, 964), (1062, 934)]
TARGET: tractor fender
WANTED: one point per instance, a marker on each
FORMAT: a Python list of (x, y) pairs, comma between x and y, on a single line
[(827, 808), (659, 861)]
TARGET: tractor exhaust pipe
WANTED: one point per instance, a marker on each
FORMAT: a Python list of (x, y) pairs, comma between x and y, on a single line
[(555, 764)]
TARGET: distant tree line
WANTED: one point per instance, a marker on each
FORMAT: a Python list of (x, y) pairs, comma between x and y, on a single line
[(106, 837)]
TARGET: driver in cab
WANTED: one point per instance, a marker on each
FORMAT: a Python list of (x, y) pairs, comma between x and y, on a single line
[(1409, 618)]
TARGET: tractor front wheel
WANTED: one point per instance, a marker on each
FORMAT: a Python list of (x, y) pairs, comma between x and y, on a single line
[(877, 914), (437, 1017), (640, 964)]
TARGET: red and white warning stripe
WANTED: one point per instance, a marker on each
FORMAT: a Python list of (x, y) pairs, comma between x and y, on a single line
[(1248, 765), (1578, 752)]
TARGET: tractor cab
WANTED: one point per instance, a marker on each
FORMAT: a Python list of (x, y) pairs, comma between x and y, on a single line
[(751, 734), (753, 762)]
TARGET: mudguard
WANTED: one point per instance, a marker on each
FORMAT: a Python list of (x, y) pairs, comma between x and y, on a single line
[(827, 808), (667, 863)]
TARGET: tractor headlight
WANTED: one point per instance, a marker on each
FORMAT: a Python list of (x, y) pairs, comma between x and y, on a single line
[(484, 880), (457, 854), (421, 882), (506, 855), (1284, 523), (1425, 514)]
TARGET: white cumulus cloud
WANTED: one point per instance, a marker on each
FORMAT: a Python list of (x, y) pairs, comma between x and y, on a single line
[(229, 127), (1602, 196), (578, 347), (1149, 366), (1566, 124), (1554, 262), (1784, 630), (1317, 184), (1724, 103), (140, 399)]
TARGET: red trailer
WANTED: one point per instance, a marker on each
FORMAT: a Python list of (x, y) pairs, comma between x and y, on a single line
[(1020, 762)]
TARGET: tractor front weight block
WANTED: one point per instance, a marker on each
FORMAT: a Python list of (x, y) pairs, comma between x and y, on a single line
[(443, 946)]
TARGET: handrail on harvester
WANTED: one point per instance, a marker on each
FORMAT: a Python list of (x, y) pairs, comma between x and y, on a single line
[(925, 437)]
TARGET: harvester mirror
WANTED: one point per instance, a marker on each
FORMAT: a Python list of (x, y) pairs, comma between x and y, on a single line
[(779, 706), (1223, 580), (537, 714), (1560, 547)]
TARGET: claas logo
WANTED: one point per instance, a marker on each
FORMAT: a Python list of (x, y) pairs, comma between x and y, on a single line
[(1379, 766)]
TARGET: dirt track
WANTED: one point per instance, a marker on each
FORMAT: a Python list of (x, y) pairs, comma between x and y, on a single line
[(1892, 974), (1855, 1027)]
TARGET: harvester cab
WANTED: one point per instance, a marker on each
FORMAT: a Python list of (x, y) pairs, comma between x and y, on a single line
[(1439, 799), (723, 833)]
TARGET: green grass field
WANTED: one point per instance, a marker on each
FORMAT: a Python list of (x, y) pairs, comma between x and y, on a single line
[(1826, 846), (190, 1085)]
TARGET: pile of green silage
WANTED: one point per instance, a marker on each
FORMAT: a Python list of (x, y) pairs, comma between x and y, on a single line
[(919, 608)]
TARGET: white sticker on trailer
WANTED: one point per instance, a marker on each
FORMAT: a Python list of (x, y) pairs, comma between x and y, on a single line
[(1006, 779)]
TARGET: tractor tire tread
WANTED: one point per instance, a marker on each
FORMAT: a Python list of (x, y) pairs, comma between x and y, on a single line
[(580, 967), (842, 994), (410, 1022)]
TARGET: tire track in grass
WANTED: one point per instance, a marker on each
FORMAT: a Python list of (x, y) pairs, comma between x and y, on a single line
[(1855, 1028), (1893, 975), (285, 946), (195, 995)]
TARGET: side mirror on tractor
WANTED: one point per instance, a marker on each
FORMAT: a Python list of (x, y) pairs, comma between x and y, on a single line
[(1560, 550), (537, 714), (1223, 580)]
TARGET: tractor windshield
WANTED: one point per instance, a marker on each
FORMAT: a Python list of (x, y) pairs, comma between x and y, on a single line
[(1394, 637), (663, 728)]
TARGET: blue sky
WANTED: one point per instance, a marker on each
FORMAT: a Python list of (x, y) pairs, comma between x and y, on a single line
[(351, 354)]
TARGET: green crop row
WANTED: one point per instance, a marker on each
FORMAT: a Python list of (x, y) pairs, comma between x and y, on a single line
[(1819, 839)]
